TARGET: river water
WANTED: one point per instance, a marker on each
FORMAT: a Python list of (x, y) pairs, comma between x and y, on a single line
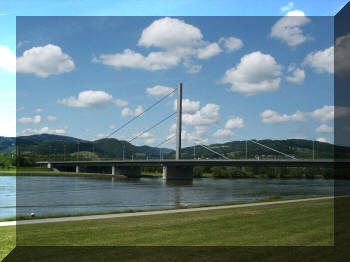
[(70, 195)]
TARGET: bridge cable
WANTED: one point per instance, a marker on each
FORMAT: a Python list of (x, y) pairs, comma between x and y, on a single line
[(264, 145), (144, 111), (214, 151), (161, 143), (157, 124), (269, 148)]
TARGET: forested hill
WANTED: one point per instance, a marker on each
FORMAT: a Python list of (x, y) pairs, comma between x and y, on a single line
[(112, 148)]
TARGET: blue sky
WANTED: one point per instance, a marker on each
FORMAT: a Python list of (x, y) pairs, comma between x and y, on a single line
[(112, 63)]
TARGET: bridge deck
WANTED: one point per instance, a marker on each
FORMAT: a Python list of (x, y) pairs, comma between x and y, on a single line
[(207, 162)]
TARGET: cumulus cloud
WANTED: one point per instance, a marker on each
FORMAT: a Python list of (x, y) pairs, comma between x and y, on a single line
[(342, 56), (170, 33), (256, 73), (234, 123), (159, 90), (112, 126), (207, 115), (131, 59), (178, 42), (150, 141), (297, 75), (129, 112), (323, 114), (44, 130), (8, 128), (188, 106), (321, 61), (39, 110), (120, 102), (51, 118), (223, 133), (44, 61), (231, 44), (322, 139), (7, 59), (324, 129), (172, 128), (273, 117), (30, 120), (208, 51), (89, 98), (288, 28), (287, 7)]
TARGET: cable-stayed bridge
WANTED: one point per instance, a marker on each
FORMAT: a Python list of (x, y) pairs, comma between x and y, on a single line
[(179, 168)]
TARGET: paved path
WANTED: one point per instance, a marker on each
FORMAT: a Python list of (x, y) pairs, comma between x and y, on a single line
[(146, 213)]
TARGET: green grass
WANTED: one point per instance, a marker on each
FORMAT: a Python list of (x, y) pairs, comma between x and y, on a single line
[(7, 240), (308, 223)]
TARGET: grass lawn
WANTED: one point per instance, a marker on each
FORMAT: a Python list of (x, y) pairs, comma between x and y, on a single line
[(7, 240), (307, 223)]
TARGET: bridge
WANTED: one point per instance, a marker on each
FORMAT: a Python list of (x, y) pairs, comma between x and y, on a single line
[(181, 168)]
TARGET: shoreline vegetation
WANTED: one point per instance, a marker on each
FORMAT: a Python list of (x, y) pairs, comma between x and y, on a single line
[(198, 172), (261, 200)]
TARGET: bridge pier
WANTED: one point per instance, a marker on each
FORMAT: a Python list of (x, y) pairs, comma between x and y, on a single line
[(113, 170), (77, 169), (49, 165), (177, 173), (129, 171)]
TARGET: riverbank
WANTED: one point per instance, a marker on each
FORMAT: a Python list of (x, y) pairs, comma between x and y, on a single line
[(265, 199)]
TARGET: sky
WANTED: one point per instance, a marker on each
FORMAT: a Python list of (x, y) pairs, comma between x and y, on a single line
[(261, 73)]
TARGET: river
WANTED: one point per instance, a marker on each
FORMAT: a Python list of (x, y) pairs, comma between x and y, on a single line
[(45, 195)]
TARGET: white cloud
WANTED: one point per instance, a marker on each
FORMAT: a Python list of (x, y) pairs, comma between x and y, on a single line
[(188, 106), (30, 120), (178, 42), (112, 126), (129, 112), (170, 33), (208, 51), (159, 90), (130, 59), (207, 115), (193, 138), (191, 68), (222, 133), (150, 141), (51, 118), (342, 56), (322, 61), (44, 130), (172, 128), (144, 135), (8, 128), (121, 103), (324, 114), (89, 98), (322, 139), (7, 59), (342, 112), (288, 28), (39, 110), (324, 129), (234, 122), (273, 117), (256, 73), (44, 61), (287, 7), (231, 44), (298, 75)]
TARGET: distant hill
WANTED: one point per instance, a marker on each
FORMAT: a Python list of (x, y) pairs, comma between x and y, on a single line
[(56, 144), (112, 148)]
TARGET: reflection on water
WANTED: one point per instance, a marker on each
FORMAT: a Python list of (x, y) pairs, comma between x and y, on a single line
[(56, 195)]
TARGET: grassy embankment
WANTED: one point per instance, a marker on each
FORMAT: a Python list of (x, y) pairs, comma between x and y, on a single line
[(309, 223)]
